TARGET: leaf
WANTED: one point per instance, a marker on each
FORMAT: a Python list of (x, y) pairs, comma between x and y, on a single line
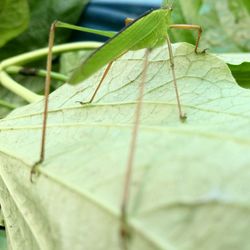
[(235, 58), (43, 13), (3, 242), (1, 220), (14, 18), (239, 64), (178, 18), (190, 181), (225, 23)]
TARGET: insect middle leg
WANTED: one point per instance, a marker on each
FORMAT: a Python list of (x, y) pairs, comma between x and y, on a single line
[(53, 27), (99, 84), (127, 22), (34, 168)]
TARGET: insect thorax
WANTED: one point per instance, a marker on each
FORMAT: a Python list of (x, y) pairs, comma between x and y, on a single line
[(159, 31)]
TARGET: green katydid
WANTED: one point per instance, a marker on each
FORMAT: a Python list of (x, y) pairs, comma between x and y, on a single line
[(147, 32)]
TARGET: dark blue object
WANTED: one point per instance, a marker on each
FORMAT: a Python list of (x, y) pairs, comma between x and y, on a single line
[(110, 15)]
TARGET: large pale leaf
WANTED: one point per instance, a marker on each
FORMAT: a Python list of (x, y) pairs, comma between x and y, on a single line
[(190, 187), (239, 64), (14, 17)]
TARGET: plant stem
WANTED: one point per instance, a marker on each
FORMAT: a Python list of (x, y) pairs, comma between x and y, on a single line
[(18, 89), (35, 72), (7, 105), (22, 59), (37, 54)]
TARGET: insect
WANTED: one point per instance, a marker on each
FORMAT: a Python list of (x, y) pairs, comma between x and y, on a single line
[(147, 32)]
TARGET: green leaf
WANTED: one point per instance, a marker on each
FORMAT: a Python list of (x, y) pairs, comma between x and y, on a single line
[(14, 18), (225, 23), (1, 219), (178, 18), (239, 64), (3, 241), (43, 13), (190, 181)]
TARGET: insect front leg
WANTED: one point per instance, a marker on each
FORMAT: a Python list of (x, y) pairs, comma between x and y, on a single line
[(56, 24), (34, 169), (190, 27)]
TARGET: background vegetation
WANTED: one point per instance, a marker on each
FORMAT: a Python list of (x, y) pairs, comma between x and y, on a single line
[(199, 180)]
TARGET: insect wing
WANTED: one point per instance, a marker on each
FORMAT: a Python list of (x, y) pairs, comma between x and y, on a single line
[(116, 46)]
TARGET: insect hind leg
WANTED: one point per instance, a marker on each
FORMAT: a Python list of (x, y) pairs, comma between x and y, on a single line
[(182, 115), (124, 226), (190, 27)]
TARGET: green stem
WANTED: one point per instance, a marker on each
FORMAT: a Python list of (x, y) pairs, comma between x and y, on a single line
[(18, 89), (40, 53), (35, 72), (7, 105), (22, 59)]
